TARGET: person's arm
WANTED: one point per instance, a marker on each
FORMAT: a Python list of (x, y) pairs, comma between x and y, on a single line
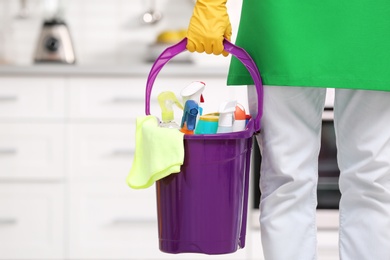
[(209, 25)]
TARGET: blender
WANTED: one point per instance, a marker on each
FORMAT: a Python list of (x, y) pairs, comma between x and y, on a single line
[(54, 43)]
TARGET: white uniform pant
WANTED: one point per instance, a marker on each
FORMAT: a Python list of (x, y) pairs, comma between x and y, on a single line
[(290, 143)]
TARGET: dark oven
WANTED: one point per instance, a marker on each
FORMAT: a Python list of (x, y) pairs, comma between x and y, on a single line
[(328, 193)]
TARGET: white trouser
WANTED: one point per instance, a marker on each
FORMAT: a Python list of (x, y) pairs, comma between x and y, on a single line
[(290, 143)]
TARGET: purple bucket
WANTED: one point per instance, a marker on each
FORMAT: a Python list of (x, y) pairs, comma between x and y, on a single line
[(203, 209)]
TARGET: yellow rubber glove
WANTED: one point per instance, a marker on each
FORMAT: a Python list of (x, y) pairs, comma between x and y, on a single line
[(209, 25)]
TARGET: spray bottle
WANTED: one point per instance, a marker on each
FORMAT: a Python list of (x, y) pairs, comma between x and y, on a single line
[(194, 92), (239, 118), (225, 121), (166, 100), (188, 121)]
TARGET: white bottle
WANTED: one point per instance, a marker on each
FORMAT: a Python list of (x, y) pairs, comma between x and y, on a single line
[(194, 92), (225, 121), (239, 123)]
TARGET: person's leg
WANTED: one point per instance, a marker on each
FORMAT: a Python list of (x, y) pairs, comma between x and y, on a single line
[(362, 122), (289, 143)]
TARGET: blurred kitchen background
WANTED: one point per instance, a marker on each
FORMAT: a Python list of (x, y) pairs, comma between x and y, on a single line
[(102, 31), (67, 127)]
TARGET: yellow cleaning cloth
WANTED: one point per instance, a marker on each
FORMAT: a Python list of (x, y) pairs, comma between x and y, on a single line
[(159, 152)]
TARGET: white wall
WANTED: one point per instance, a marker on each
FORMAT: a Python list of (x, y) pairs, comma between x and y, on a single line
[(103, 31)]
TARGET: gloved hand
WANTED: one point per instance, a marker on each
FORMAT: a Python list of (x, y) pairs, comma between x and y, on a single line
[(209, 25)]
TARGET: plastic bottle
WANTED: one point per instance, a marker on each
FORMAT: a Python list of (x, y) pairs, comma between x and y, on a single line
[(239, 118), (207, 124), (190, 113), (194, 92), (225, 121), (166, 100)]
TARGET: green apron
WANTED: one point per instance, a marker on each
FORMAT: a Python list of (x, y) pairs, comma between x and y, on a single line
[(313, 43)]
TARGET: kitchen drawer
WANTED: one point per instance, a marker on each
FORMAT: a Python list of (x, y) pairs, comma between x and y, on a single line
[(31, 221), (101, 152), (32, 151), (108, 98), (110, 221), (32, 98)]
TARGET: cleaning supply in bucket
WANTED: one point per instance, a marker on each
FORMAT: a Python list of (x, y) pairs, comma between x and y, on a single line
[(225, 121), (159, 152), (207, 124), (166, 100), (190, 113), (239, 118), (194, 92)]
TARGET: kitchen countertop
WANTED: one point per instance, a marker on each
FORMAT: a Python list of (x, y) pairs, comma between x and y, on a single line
[(142, 70)]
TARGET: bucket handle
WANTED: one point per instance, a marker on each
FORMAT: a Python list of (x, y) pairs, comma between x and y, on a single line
[(238, 52)]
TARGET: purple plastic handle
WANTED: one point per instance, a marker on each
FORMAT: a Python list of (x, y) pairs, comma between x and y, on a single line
[(238, 52)]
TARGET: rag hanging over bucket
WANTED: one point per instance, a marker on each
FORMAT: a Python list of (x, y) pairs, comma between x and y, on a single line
[(159, 152)]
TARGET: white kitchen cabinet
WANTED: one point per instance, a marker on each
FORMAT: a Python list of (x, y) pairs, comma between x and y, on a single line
[(109, 220), (30, 151), (106, 98), (100, 151), (32, 168), (31, 220), (30, 97)]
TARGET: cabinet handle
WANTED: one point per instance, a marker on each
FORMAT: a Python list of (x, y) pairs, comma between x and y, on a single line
[(123, 152), (8, 151), (8, 221), (128, 221), (120, 100), (8, 98)]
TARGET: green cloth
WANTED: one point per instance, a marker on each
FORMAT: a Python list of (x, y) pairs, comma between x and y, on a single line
[(159, 152), (328, 43)]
